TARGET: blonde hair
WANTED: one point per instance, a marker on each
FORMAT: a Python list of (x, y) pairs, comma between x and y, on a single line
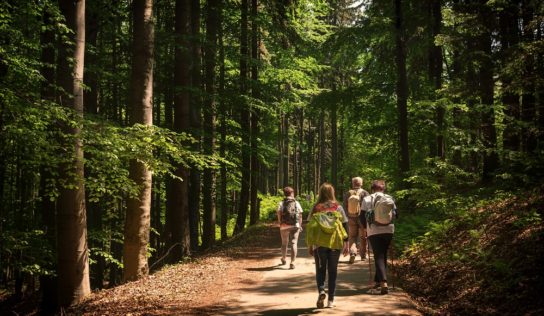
[(326, 193)]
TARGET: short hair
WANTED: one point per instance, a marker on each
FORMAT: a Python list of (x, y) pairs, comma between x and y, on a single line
[(357, 182), (378, 185), (287, 191)]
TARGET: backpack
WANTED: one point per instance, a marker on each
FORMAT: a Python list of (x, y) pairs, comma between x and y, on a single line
[(289, 212), (354, 203), (381, 212), (325, 230)]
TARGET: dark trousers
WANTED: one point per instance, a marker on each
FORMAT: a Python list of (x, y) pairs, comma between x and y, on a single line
[(380, 243), (326, 259)]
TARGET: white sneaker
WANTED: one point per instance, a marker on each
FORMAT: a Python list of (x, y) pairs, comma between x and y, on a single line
[(330, 304)]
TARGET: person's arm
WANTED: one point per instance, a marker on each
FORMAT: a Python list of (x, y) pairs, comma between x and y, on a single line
[(278, 213), (299, 209), (345, 248)]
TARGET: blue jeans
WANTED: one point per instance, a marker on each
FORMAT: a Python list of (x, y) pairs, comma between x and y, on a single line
[(326, 259)]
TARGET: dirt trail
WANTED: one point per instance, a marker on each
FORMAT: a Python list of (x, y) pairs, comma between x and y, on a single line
[(244, 277), (280, 291)]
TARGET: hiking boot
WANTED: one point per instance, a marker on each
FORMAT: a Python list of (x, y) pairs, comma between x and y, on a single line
[(330, 304), (283, 262), (321, 299), (292, 266), (351, 259), (384, 288)]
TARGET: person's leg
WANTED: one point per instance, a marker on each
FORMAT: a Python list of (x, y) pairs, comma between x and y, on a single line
[(320, 256), (293, 240), (353, 230), (380, 243), (333, 258), (284, 233), (362, 247)]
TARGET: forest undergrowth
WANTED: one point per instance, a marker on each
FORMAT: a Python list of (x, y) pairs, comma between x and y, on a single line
[(485, 259)]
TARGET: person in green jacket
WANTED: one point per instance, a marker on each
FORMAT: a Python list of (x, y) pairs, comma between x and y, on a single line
[(326, 259)]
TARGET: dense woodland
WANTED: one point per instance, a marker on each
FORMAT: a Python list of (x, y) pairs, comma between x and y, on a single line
[(138, 133)]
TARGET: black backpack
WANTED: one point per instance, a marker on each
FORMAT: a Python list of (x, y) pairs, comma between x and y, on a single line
[(289, 212)]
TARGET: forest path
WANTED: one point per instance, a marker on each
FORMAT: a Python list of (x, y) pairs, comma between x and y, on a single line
[(243, 277), (281, 291)]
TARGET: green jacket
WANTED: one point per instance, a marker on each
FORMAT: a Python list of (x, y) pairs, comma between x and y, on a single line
[(325, 230)]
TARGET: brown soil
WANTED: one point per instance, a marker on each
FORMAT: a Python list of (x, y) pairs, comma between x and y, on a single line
[(195, 287)]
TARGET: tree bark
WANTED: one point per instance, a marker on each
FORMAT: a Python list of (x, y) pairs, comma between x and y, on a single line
[(223, 144), (137, 221), (196, 123), (254, 210), (436, 75), (244, 121), (72, 249), (401, 90), (334, 149), (213, 23), (286, 150), (179, 215)]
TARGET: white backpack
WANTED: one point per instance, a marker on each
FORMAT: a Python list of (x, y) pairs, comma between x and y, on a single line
[(354, 203), (382, 209)]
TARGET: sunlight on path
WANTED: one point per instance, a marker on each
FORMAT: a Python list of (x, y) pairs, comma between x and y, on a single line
[(293, 292)]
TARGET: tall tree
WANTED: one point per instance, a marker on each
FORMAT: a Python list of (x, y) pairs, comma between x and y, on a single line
[(72, 249), (436, 74), (244, 120), (196, 121), (137, 222), (213, 22), (486, 91), (401, 89), (254, 211), (179, 208)]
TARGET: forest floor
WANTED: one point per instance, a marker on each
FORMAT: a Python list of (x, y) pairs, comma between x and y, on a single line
[(244, 277)]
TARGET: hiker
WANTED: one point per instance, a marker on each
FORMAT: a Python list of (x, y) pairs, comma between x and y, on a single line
[(290, 220), (326, 237), (380, 211), (356, 224)]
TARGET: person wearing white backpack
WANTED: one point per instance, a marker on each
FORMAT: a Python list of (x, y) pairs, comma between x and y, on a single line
[(380, 211)]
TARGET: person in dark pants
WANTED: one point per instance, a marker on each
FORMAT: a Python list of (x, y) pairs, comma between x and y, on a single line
[(380, 237), (326, 259)]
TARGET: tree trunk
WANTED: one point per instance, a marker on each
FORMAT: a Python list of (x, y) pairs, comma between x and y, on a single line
[(72, 251), (178, 225), (244, 121), (322, 151), (334, 141), (286, 150), (254, 210), (487, 84), (223, 145), (528, 100), (213, 23), (196, 123), (402, 90), (137, 221), (509, 36), (436, 75)]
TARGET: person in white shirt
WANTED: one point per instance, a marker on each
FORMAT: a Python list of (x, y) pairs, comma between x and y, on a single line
[(289, 214), (380, 237)]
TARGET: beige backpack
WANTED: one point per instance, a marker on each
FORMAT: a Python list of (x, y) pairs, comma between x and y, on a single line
[(354, 203)]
